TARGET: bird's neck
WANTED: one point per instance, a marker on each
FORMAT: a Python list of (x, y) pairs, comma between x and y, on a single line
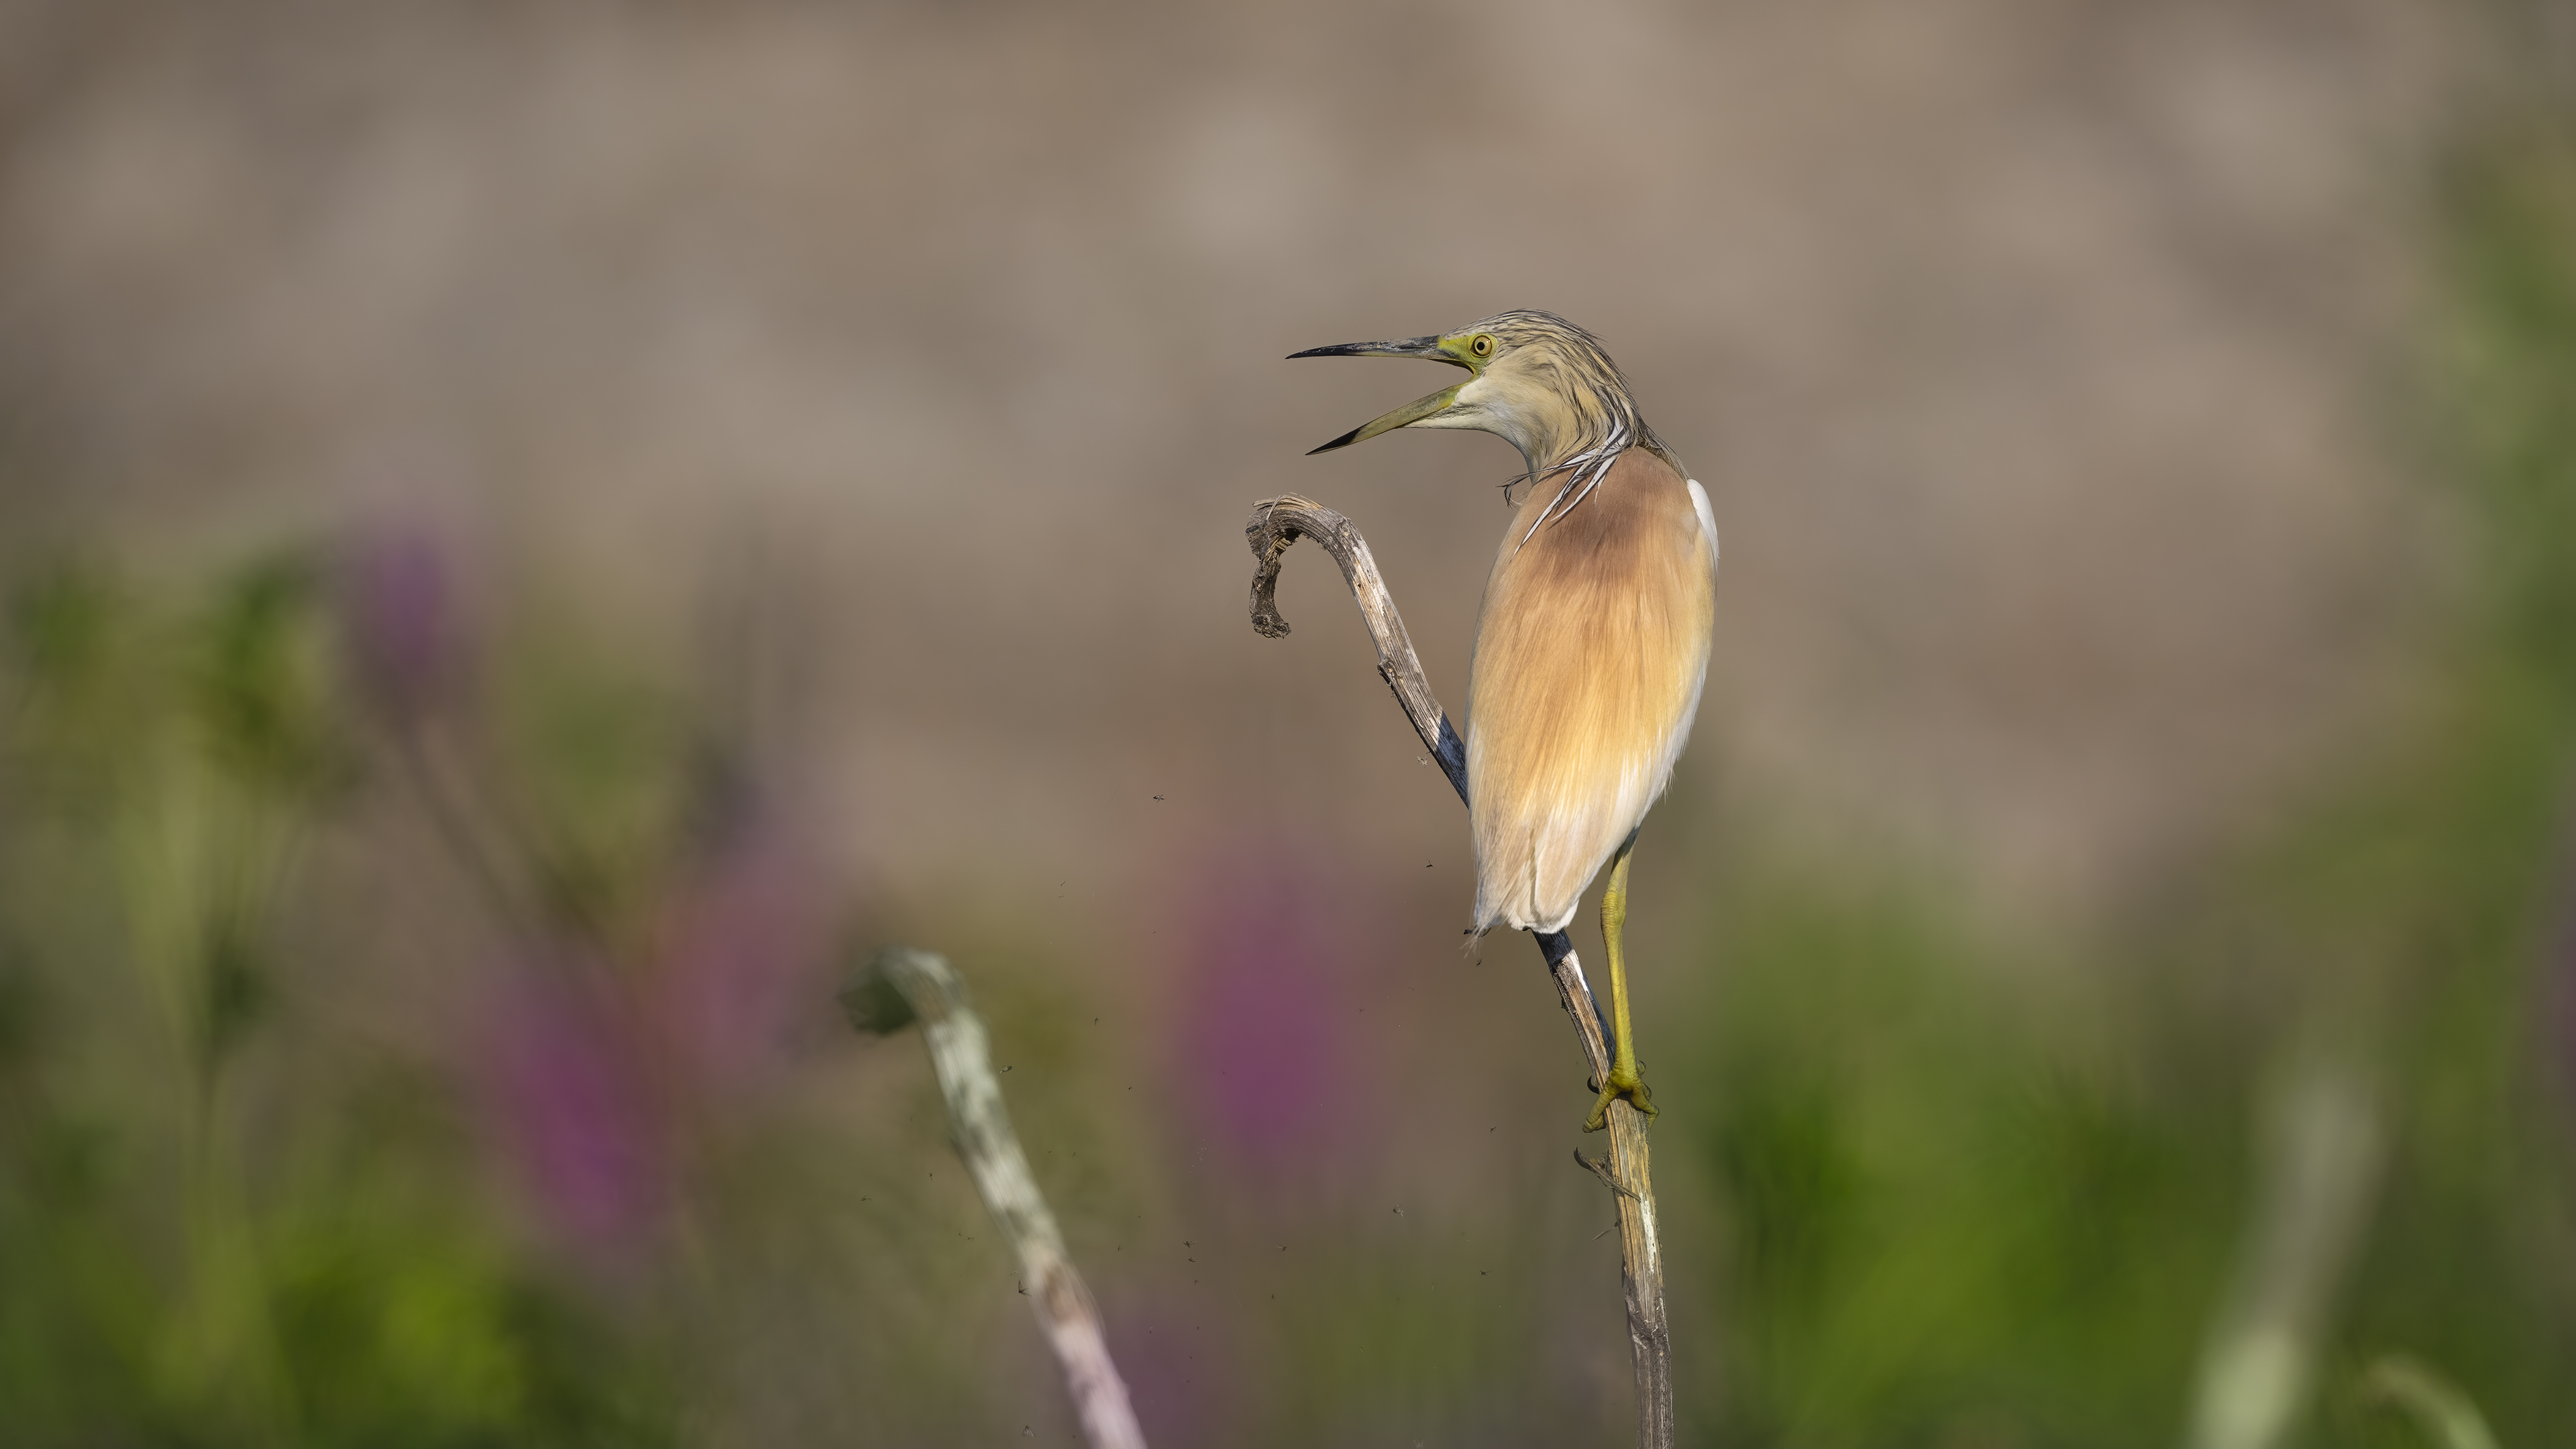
[(1551, 428), (1551, 418)]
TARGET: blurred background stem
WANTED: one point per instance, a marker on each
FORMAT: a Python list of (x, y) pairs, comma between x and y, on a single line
[(2320, 1157)]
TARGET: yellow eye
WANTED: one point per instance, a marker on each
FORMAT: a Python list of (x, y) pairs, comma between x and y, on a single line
[(1483, 346)]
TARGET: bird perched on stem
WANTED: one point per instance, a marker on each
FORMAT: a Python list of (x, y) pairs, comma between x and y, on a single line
[(1592, 643)]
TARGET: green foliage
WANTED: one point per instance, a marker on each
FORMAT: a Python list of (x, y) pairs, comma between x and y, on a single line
[(181, 1271), (1952, 1220), (604, 765), (261, 688), (1943, 1217)]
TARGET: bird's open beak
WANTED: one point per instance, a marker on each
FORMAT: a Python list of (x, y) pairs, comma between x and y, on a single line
[(1427, 348)]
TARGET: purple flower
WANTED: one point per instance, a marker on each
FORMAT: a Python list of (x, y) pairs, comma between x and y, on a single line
[(579, 1116), (406, 641), (745, 940), (600, 1075), (1268, 1053), (1179, 1362)]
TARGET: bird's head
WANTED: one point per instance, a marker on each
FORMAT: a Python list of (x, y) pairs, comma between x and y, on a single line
[(1534, 379)]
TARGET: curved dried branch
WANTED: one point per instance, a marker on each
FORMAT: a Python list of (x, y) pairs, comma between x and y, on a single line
[(1279, 522)]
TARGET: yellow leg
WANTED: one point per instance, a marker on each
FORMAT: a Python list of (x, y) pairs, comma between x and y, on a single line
[(1624, 1082)]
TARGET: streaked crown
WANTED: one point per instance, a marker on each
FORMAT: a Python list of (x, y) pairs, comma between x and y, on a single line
[(1559, 385)]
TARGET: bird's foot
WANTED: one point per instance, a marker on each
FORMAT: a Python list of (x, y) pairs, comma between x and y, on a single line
[(1624, 1085)]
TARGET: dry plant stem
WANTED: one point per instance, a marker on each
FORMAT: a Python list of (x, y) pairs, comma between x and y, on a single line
[(937, 998), (2319, 1170), (433, 777), (1279, 522), (1275, 524)]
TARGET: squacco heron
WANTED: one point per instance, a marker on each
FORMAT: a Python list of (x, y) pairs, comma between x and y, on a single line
[(1592, 643)]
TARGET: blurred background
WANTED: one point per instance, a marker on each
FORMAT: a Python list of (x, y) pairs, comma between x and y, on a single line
[(534, 537)]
